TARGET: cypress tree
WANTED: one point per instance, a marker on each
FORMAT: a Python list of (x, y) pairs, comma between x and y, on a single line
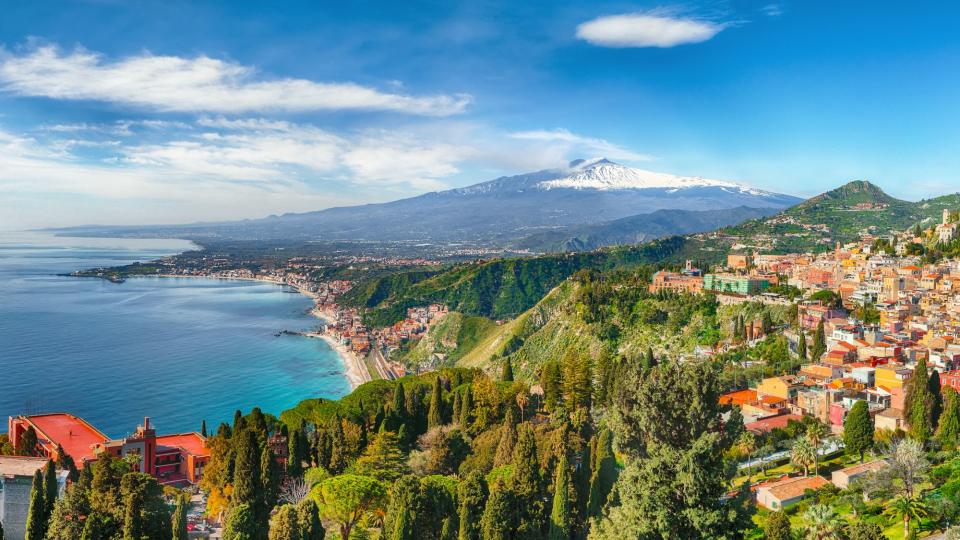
[(858, 429), (246, 472), (50, 489), (27, 443), (295, 451), (560, 513), (403, 526), (269, 481), (551, 383), (456, 407), (398, 408), (466, 408), (311, 528), (203, 428), (604, 474), (948, 430), (285, 525), (918, 404), (936, 395), (802, 346), (508, 439), (600, 388), (66, 463), (338, 447), (238, 421), (506, 374), (471, 497), (819, 344), (36, 523), (179, 524), (649, 361), (435, 416), (399, 522), (527, 485), (499, 516)]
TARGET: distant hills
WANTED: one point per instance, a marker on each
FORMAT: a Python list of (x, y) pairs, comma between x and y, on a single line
[(585, 205)]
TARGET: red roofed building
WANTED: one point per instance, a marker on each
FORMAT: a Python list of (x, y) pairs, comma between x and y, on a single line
[(767, 425), (172, 459)]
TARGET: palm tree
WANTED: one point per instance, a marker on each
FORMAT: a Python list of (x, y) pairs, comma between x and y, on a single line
[(822, 523), (906, 508), (803, 454), (816, 431)]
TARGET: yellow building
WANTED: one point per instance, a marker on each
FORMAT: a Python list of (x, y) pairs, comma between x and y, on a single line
[(892, 377), (782, 387)]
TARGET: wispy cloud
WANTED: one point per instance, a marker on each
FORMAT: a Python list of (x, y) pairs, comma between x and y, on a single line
[(651, 29), (200, 84), (585, 146)]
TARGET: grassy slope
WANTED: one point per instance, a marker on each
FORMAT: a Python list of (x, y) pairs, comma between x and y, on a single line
[(452, 336)]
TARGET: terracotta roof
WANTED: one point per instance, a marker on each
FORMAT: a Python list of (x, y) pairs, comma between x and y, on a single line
[(795, 487), (192, 443), (861, 468), (740, 397), (774, 422)]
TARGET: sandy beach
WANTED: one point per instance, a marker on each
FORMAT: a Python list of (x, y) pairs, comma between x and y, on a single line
[(353, 365)]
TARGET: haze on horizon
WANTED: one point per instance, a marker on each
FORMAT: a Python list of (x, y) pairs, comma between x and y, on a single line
[(176, 112)]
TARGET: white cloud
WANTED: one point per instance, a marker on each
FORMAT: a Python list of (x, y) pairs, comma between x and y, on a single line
[(652, 29), (586, 146), (223, 168), (201, 84)]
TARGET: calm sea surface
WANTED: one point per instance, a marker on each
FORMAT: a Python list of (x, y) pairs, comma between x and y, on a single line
[(177, 350)]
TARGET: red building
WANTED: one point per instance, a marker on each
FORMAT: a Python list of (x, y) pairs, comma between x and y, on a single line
[(171, 459)]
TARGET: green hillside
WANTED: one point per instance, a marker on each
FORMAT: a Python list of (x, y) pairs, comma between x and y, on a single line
[(500, 288), (448, 340)]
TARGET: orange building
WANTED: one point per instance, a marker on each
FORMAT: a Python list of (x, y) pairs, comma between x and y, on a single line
[(672, 281), (172, 459)]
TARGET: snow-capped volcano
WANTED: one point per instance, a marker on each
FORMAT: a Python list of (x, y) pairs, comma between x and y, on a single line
[(506, 210), (604, 175)]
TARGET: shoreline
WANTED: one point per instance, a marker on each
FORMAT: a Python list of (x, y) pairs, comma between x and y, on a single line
[(354, 368)]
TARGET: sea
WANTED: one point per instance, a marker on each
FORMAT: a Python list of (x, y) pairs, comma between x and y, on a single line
[(176, 350)]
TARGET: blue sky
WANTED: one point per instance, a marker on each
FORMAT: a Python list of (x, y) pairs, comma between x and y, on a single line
[(160, 112)]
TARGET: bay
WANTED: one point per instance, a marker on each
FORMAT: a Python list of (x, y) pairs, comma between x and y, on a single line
[(179, 350)]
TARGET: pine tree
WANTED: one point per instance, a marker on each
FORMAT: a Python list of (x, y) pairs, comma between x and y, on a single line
[(435, 416), (918, 404), (383, 459), (246, 471), (603, 368), (674, 439), (560, 513), (948, 430), (285, 524), (471, 497), (499, 515), (508, 439), (777, 527), (551, 383), (802, 346), (506, 374), (311, 528), (936, 395), (649, 361), (179, 525), (527, 485), (241, 524), (50, 489), (36, 513)]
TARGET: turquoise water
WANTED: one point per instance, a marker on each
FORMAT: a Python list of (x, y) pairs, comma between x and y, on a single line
[(179, 350)]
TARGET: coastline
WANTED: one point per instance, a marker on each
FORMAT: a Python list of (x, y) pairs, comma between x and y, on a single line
[(354, 368)]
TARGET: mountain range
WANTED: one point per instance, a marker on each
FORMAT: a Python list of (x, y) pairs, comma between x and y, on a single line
[(588, 204)]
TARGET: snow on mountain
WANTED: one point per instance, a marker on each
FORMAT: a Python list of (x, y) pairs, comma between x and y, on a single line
[(604, 175)]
